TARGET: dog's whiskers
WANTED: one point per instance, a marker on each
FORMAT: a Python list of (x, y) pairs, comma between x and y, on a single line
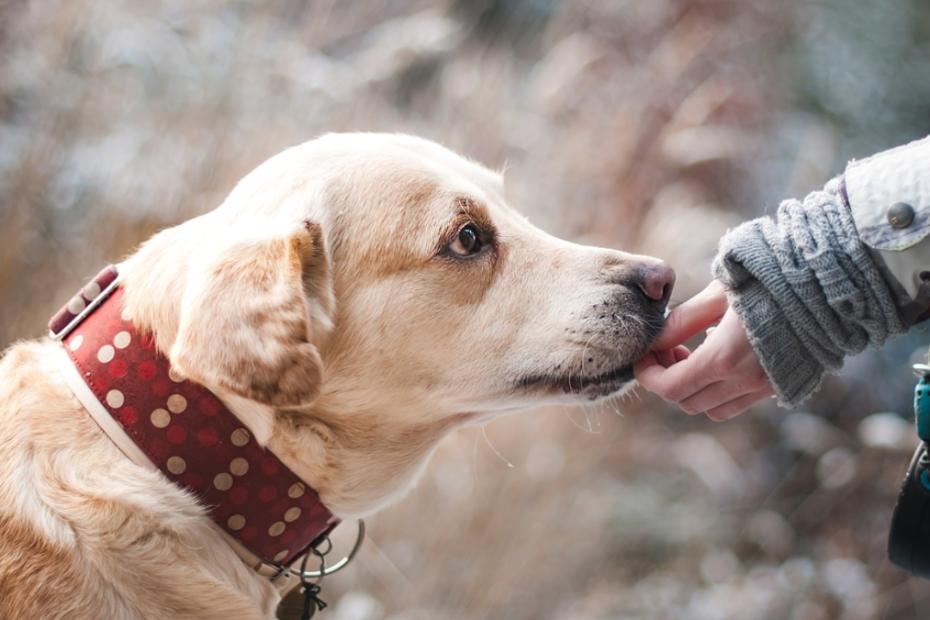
[(490, 445), (590, 430)]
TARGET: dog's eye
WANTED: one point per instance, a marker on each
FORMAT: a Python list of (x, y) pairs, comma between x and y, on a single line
[(468, 241)]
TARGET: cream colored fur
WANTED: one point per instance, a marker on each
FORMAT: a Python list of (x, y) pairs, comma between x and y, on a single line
[(323, 301)]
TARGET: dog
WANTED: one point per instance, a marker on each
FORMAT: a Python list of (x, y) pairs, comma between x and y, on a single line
[(352, 301)]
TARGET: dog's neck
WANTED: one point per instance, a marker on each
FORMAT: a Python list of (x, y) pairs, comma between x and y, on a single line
[(358, 458), (358, 462), (154, 288)]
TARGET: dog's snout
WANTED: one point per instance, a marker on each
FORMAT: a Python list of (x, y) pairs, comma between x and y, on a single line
[(656, 281)]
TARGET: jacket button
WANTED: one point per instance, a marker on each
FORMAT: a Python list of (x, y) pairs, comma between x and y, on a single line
[(900, 215)]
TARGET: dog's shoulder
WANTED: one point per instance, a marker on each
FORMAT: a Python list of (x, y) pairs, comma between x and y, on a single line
[(39, 555), (79, 522)]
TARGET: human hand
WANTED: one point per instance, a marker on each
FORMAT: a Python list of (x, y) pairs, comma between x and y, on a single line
[(722, 377)]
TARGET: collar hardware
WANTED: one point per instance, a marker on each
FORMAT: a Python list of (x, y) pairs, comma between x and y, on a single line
[(186, 432), (84, 302)]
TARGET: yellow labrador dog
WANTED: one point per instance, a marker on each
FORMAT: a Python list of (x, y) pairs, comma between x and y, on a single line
[(355, 299)]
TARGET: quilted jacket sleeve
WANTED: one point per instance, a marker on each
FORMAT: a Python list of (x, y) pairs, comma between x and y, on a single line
[(844, 268), (889, 196)]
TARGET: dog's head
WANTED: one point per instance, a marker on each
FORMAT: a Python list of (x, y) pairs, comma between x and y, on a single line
[(385, 274)]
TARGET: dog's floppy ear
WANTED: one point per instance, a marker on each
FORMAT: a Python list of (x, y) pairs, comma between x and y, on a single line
[(251, 315)]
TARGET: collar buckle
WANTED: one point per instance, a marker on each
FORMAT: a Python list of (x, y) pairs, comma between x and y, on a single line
[(84, 302), (338, 566)]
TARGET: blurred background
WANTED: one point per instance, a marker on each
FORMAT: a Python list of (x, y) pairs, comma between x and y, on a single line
[(647, 125)]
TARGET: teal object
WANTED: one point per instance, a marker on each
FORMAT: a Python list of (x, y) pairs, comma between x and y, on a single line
[(925, 479), (922, 407)]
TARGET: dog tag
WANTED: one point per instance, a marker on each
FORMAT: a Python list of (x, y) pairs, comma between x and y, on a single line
[(291, 606), (301, 603)]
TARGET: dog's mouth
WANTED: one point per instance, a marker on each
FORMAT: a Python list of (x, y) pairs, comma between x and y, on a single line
[(590, 386), (593, 382)]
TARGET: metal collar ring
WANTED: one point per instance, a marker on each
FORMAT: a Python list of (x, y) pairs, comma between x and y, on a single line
[(329, 570)]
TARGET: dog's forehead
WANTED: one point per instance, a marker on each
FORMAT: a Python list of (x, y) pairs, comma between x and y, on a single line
[(390, 200), (373, 194), (408, 162), (402, 179), (439, 155), (373, 169)]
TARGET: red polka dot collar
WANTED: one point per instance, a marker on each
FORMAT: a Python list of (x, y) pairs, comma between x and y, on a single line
[(185, 431)]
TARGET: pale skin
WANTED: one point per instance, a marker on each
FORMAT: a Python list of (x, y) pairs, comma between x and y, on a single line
[(722, 377)]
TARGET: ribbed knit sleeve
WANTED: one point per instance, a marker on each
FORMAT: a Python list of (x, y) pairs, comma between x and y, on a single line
[(807, 291)]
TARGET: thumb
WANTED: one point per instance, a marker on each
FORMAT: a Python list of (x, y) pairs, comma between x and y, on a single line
[(693, 316)]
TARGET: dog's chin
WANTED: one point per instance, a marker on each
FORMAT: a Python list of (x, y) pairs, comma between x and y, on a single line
[(580, 386)]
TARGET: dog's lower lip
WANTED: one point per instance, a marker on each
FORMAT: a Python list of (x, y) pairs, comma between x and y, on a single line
[(578, 383)]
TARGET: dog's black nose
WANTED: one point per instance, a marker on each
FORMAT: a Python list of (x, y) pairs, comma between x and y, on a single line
[(657, 281)]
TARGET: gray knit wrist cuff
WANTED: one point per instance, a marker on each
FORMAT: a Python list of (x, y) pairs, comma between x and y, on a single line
[(807, 292)]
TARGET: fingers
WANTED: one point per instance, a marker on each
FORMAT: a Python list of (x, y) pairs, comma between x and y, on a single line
[(650, 359), (661, 359), (720, 393), (739, 405), (719, 400), (678, 381), (664, 358), (722, 377), (693, 316), (669, 357)]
